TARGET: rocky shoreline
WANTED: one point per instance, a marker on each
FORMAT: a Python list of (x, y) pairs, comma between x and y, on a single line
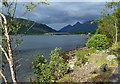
[(86, 73)]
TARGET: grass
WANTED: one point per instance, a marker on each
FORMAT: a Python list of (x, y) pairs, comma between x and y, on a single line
[(82, 57), (66, 78), (80, 53), (100, 59), (116, 51)]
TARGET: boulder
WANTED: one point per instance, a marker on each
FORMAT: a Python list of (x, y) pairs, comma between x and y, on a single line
[(103, 68)]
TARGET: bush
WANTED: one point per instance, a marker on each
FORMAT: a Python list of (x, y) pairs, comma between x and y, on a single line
[(98, 41), (49, 71)]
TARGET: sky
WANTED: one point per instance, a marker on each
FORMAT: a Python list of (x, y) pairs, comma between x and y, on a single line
[(66, 0), (60, 14)]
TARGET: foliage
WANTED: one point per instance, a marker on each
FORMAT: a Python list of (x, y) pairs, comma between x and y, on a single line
[(98, 41), (32, 5), (107, 29), (50, 71), (116, 50), (112, 4), (108, 24)]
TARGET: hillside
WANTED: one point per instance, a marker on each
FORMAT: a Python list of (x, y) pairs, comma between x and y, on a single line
[(78, 27), (31, 27)]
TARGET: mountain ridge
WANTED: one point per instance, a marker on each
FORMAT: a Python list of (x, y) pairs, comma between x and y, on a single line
[(31, 27), (37, 28), (80, 27)]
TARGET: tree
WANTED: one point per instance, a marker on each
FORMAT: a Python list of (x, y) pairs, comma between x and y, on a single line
[(106, 27), (9, 25), (8, 54), (108, 24), (116, 15)]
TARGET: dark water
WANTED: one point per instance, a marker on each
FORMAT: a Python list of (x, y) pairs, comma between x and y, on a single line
[(34, 45)]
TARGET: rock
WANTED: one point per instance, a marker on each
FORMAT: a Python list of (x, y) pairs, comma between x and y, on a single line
[(103, 51), (97, 51), (71, 63), (103, 68), (86, 63), (107, 51), (111, 57)]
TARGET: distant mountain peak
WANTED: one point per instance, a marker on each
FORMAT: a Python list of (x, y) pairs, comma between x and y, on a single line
[(69, 26), (80, 26), (66, 28), (78, 23)]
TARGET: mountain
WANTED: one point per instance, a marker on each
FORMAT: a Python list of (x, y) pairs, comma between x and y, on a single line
[(66, 28), (78, 27), (31, 27), (35, 28)]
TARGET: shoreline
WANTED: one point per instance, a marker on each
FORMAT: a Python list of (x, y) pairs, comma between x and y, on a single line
[(68, 54), (48, 35)]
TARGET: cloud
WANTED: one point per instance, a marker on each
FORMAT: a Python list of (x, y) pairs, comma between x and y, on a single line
[(65, 0), (57, 15)]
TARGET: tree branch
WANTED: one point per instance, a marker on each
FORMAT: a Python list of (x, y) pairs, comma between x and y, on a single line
[(3, 76), (5, 53)]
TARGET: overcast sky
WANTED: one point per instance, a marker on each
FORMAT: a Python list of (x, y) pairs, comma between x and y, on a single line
[(66, 0), (60, 14)]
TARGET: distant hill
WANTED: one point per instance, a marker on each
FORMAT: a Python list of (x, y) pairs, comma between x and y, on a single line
[(78, 27), (35, 28), (31, 27)]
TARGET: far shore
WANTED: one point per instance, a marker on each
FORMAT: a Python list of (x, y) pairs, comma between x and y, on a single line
[(45, 34)]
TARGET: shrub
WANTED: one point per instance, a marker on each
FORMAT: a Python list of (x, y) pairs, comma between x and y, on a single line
[(98, 41), (49, 71)]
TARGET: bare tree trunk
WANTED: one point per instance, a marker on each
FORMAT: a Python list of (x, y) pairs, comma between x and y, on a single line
[(13, 75), (8, 54), (116, 32), (10, 61)]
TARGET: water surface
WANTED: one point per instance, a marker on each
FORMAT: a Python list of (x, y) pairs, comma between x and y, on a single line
[(42, 45)]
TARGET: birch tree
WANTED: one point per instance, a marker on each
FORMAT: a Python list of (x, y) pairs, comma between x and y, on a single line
[(108, 23), (7, 27), (114, 6), (8, 54)]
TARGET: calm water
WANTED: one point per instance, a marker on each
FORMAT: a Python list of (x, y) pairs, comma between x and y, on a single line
[(42, 45)]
